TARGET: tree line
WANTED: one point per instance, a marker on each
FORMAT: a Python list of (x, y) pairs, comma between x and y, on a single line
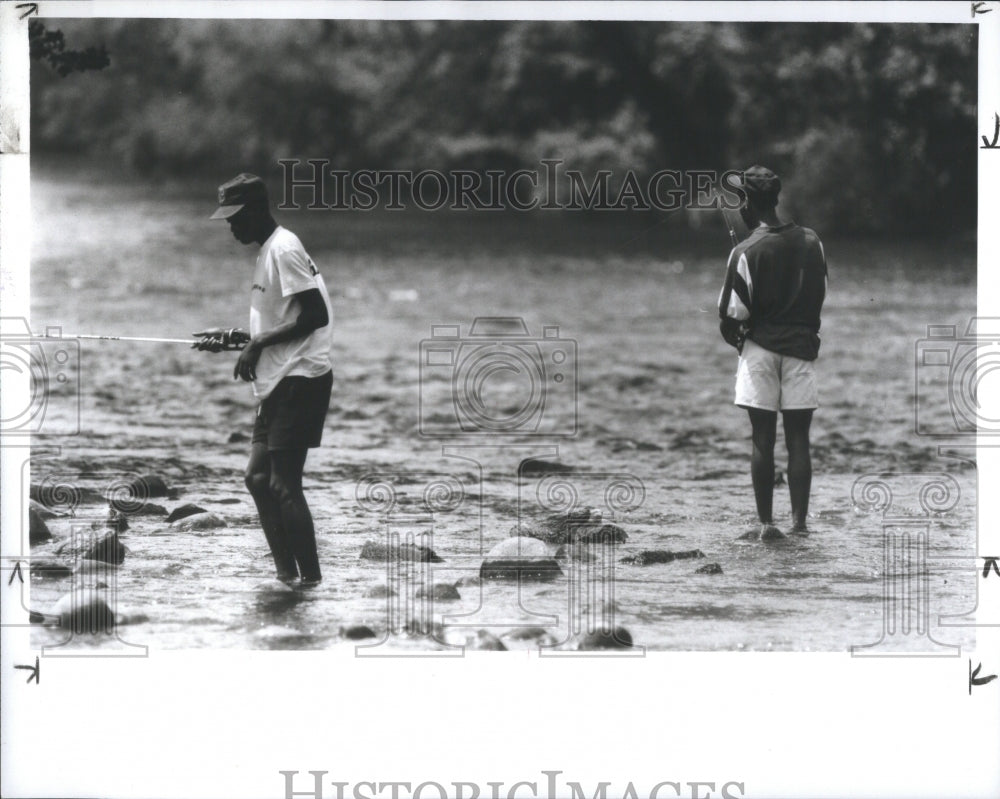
[(872, 126)]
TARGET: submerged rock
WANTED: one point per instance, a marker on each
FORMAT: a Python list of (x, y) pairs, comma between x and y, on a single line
[(440, 591), (85, 610), (357, 632), (379, 550), (709, 568), (106, 548), (487, 642), (199, 521), (38, 531), (527, 634), (535, 467), (520, 547), (183, 511), (618, 638), (520, 558), (48, 569), (149, 485), (380, 592), (583, 526), (43, 512), (649, 556)]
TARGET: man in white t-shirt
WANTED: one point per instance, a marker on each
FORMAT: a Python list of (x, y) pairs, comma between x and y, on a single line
[(287, 360)]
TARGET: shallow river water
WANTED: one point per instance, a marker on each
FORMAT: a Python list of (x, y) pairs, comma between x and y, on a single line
[(642, 420)]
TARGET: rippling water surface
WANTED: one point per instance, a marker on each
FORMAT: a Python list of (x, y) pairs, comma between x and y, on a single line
[(659, 448)]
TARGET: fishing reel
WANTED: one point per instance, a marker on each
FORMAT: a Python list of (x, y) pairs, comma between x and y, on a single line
[(219, 339)]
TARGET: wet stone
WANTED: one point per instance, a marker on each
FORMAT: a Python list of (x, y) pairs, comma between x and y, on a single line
[(583, 525), (38, 531), (379, 550), (106, 548), (357, 632), (380, 592), (149, 485), (709, 568), (618, 638), (520, 558), (651, 556), (48, 569), (199, 521), (439, 591), (85, 610), (182, 511), (487, 642)]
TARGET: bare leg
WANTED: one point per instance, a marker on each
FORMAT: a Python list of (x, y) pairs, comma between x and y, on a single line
[(765, 427), (258, 479), (796, 425), (296, 520)]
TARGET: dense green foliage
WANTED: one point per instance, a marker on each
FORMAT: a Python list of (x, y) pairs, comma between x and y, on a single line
[(873, 127)]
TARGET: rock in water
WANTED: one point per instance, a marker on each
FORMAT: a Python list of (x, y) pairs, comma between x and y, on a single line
[(583, 525), (357, 632), (520, 547), (709, 568), (183, 511), (46, 569), (379, 550), (535, 467), (618, 638), (648, 556), (149, 485), (199, 521), (488, 642), (520, 558), (85, 610), (380, 592), (771, 533), (440, 591), (44, 512), (38, 531), (106, 548)]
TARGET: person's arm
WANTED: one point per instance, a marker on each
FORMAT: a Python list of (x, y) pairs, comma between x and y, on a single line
[(735, 301), (312, 316)]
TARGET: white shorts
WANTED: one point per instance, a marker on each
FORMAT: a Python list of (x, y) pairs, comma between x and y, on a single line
[(774, 382)]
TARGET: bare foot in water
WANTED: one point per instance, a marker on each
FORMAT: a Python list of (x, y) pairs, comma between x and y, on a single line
[(800, 530), (768, 532)]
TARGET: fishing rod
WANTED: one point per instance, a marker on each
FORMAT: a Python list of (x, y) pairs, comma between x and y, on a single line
[(229, 341), (729, 225)]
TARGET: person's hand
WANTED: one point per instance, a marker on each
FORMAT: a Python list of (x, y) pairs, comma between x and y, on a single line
[(217, 339), (733, 331), (246, 364)]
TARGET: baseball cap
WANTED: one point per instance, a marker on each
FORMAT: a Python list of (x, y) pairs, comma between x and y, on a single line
[(761, 180), (238, 192)]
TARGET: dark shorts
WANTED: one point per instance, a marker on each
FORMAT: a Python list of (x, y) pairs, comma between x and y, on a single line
[(292, 416)]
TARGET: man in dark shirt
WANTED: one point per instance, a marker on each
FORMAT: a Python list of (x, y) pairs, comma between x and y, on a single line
[(770, 311)]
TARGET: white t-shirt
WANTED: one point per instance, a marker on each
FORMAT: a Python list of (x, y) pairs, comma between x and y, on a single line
[(284, 268)]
